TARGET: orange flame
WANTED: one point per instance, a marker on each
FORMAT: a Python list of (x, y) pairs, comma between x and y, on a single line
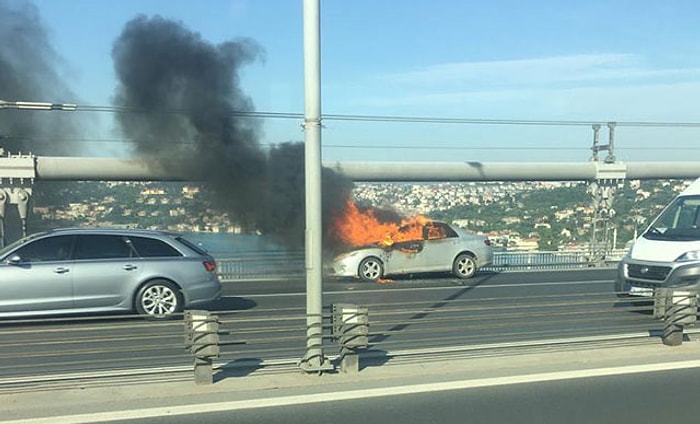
[(361, 228)]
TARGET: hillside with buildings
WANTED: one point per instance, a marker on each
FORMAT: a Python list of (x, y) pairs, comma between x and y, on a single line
[(515, 215)]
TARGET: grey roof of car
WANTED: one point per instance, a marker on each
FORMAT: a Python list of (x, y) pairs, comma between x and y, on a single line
[(109, 230)]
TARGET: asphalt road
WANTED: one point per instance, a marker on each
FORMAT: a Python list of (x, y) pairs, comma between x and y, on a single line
[(656, 397), (266, 321), (623, 385)]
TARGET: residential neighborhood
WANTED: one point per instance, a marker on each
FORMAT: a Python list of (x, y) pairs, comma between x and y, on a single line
[(515, 215)]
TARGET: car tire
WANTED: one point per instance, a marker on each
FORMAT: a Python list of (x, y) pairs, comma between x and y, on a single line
[(158, 299), (464, 266), (370, 269)]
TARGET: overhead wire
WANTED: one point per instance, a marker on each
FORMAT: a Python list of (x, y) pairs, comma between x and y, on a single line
[(404, 119), (387, 119)]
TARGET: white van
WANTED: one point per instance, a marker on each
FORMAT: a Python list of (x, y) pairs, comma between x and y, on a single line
[(667, 254)]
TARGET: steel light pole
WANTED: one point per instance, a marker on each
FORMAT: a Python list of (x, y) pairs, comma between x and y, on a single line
[(314, 359)]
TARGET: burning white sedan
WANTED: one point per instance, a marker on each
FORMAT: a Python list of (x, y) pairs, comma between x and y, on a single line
[(443, 248)]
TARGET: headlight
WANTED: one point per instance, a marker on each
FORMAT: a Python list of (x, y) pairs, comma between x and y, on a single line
[(693, 255)]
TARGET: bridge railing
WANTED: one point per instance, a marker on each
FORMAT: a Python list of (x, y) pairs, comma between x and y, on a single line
[(78, 350), (263, 265), (284, 264)]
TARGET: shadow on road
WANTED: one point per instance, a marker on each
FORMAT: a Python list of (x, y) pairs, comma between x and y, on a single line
[(239, 367), (228, 303), (484, 277), (374, 358)]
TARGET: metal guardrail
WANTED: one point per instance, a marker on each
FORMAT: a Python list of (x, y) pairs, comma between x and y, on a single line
[(37, 353), (275, 265), (559, 260), (264, 265), (41, 351)]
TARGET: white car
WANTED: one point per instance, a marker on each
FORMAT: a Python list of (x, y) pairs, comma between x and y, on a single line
[(444, 248)]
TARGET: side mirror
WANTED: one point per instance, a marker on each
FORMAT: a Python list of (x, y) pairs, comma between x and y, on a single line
[(14, 260)]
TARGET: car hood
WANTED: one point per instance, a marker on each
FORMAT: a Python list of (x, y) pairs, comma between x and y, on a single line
[(661, 250), (363, 251)]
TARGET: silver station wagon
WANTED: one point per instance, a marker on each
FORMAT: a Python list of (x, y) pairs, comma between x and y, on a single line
[(93, 270)]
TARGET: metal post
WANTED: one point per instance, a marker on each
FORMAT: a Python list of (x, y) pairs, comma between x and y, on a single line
[(660, 299), (681, 310), (202, 339), (610, 158), (350, 326), (22, 200), (596, 131), (3, 203), (313, 359), (609, 176), (17, 175)]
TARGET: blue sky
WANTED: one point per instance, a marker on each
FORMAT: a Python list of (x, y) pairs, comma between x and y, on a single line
[(593, 60)]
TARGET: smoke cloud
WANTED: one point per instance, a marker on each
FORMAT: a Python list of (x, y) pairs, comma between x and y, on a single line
[(29, 71), (187, 102)]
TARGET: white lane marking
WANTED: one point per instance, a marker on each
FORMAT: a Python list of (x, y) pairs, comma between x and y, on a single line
[(480, 287), (353, 394)]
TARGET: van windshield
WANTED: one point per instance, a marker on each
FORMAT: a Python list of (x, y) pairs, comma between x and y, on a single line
[(679, 221)]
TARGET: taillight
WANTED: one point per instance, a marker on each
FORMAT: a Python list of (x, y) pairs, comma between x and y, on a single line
[(210, 266), (487, 242)]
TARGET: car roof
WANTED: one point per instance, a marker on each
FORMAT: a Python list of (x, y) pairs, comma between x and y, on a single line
[(108, 230)]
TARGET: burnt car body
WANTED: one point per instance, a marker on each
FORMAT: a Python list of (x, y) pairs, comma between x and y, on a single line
[(443, 248)]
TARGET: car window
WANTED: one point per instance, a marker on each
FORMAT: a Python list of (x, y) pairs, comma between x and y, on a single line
[(437, 230), (149, 248), (12, 246), (99, 246), (199, 249), (55, 248), (448, 231)]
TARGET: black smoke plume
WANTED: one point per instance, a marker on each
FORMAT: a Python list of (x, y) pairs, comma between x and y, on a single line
[(30, 72), (187, 103)]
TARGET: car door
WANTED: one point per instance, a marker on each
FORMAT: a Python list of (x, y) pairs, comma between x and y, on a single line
[(404, 257), (106, 271), (438, 248), (38, 276)]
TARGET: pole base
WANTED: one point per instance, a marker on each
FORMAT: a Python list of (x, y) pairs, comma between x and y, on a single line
[(314, 366)]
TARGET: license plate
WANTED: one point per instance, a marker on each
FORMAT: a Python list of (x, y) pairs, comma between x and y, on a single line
[(641, 291)]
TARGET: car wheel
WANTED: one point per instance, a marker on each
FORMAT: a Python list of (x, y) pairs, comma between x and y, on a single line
[(371, 269), (158, 299), (464, 266)]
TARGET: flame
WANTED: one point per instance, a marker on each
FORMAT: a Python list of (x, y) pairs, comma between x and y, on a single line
[(361, 228)]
